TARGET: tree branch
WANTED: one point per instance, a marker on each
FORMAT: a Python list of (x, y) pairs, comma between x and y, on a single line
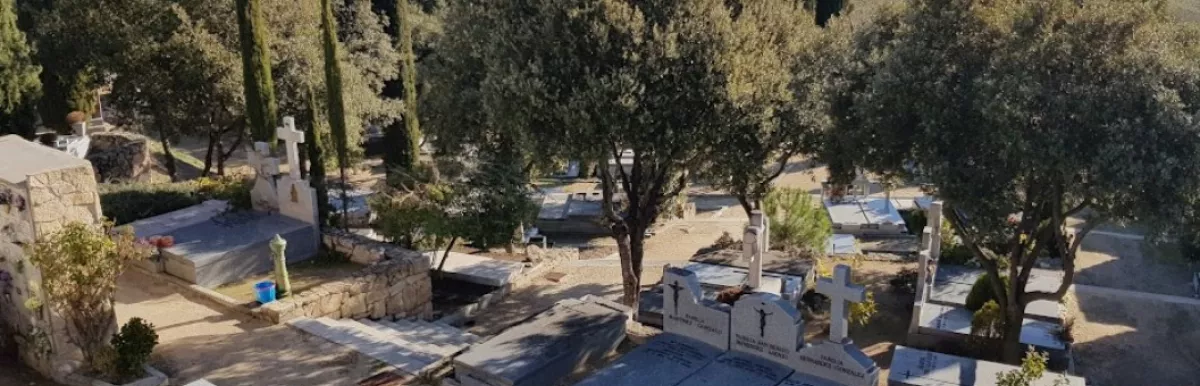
[(1068, 266)]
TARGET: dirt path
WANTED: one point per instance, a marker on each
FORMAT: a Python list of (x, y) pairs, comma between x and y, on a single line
[(1117, 261), (199, 340), (1122, 338)]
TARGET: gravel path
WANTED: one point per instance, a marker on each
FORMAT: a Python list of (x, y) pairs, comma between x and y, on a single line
[(200, 340), (1123, 338)]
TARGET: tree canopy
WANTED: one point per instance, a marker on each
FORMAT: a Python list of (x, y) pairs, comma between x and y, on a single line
[(1034, 120)]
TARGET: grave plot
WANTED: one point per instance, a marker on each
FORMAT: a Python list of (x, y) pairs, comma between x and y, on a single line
[(865, 216), (358, 212), (953, 283), (230, 246), (547, 348), (664, 360), (476, 269), (954, 324), (913, 367)]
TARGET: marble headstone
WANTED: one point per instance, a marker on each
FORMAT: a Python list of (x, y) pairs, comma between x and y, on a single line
[(766, 326), (686, 313), (735, 368), (263, 195), (835, 363)]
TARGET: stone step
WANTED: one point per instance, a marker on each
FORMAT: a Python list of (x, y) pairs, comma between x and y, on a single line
[(427, 334), (410, 341), (360, 338), (454, 331)]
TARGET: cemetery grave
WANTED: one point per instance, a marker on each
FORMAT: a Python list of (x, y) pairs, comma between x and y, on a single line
[(213, 248), (914, 367), (859, 214), (411, 346), (939, 323), (774, 272), (547, 348)]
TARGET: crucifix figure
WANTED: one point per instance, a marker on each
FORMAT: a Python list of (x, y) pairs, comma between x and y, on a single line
[(840, 290), (762, 322), (675, 294), (291, 137)]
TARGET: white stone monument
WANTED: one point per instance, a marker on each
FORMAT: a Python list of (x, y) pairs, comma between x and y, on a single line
[(840, 291), (756, 242), (263, 194), (295, 196), (685, 313), (766, 326)]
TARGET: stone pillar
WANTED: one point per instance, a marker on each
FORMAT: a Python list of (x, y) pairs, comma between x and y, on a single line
[(752, 251), (934, 216)]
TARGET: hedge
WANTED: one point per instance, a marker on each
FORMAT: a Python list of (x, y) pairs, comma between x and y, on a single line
[(126, 203)]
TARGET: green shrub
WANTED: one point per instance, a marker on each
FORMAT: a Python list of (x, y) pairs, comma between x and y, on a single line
[(796, 220), (914, 220), (126, 203), (133, 345), (988, 322), (981, 292)]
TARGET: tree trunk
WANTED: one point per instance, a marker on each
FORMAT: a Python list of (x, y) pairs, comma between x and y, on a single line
[(445, 255), (1013, 352), (162, 137), (221, 157), (315, 150), (631, 279), (213, 138), (261, 108)]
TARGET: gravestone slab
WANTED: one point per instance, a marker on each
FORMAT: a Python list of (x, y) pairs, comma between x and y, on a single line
[(953, 284), (736, 368), (665, 360), (913, 367), (774, 262), (231, 247), (766, 326), (836, 364), (547, 348), (476, 269), (721, 277), (957, 320), (686, 313), (170, 222)]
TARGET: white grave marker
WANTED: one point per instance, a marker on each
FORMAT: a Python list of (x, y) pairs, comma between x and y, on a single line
[(840, 290), (840, 363), (685, 313), (766, 326), (291, 137), (263, 195)]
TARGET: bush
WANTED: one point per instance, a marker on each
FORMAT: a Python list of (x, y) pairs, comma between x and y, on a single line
[(988, 322), (981, 292), (905, 281), (126, 203), (796, 221), (724, 242), (914, 220), (133, 345)]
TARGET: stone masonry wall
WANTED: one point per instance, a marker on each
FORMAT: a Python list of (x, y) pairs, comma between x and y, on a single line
[(399, 287), (363, 250), (34, 209)]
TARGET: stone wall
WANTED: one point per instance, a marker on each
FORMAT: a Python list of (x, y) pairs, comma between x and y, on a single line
[(363, 250), (120, 157), (33, 207), (397, 287)]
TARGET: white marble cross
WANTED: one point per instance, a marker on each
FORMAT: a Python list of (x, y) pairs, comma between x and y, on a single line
[(291, 137), (754, 245), (840, 290)]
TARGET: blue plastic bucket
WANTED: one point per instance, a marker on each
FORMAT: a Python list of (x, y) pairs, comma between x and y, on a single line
[(265, 291)]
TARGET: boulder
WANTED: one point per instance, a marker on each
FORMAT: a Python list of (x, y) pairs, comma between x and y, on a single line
[(120, 157)]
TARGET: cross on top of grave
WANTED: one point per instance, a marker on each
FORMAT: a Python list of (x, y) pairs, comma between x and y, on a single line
[(754, 244), (291, 137), (840, 290)]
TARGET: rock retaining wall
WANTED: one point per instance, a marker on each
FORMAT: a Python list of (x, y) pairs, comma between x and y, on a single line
[(363, 250), (120, 157), (398, 287)]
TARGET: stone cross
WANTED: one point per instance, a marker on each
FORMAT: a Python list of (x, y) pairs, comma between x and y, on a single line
[(291, 137), (840, 290)]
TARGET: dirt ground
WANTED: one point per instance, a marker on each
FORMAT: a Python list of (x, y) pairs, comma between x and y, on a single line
[(201, 340), (1121, 341), (303, 276), (14, 373), (1130, 264)]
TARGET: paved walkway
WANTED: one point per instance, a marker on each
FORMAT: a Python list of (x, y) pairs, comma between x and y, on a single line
[(198, 339)]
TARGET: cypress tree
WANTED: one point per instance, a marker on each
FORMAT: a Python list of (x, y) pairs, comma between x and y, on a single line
[(316, 151), (333, 94), (19, 83), (261, 110), (405, 137)]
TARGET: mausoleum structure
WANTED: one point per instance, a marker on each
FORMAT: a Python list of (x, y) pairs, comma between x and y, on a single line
[(41, 190)]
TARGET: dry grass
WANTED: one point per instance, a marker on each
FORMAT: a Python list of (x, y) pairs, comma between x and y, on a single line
[(304, 275)]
